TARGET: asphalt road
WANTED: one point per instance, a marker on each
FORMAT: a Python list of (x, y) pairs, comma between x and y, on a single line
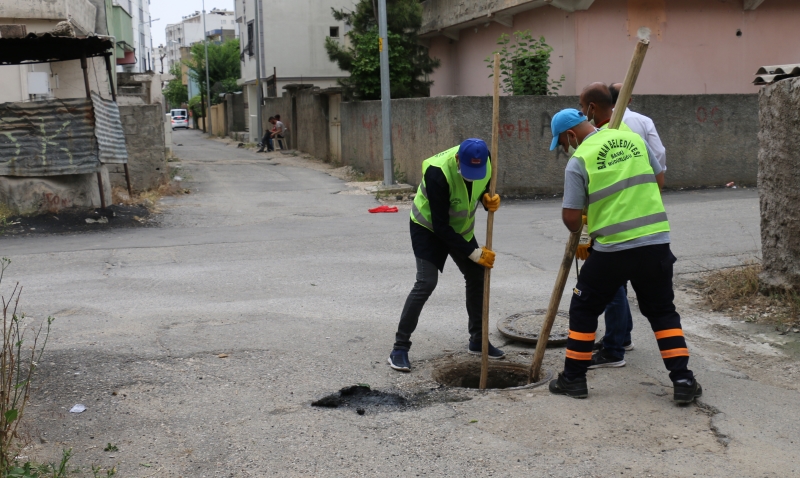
[(268, 262)]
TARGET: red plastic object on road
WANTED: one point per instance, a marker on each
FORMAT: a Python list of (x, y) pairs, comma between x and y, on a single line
[(383, 208)]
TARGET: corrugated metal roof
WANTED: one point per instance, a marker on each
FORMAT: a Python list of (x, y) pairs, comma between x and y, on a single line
[(48, 138), (108, 131), (769, 79), (793, 70), (766, 75)]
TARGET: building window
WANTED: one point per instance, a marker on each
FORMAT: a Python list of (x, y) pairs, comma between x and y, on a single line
[(334, 33), (250, 37)]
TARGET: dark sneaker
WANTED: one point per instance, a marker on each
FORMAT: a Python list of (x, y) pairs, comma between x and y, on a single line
[(494, 352), (601, 360), (574, 388), (398, 360), (685, 391), (598, 346)]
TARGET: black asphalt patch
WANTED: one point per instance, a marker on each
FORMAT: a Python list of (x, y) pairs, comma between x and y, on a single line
[(74, 220)]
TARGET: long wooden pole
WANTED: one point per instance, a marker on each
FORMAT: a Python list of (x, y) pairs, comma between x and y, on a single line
[(490, 225), (574, 237)]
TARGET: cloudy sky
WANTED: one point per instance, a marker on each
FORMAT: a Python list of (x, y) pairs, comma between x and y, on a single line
[(171, 11)]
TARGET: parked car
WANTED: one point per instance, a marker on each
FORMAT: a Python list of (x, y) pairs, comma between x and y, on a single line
[(180, 119)]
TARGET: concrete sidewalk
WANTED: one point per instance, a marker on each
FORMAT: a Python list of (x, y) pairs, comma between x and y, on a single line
[(302, 288)]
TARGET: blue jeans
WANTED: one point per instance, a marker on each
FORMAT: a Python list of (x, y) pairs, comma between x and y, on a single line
[(619, 324)]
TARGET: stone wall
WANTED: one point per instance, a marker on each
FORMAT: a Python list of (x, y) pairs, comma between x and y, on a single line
[(235, 112), (144, 139), (710, 139), (778, 179)]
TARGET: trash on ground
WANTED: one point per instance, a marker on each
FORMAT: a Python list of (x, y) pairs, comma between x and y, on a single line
[(222, 355), (730, 184), (102, 220), (383, 208), (178, 178), (78, 408)]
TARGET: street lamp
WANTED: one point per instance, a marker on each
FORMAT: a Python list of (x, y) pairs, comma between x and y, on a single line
[(208, 87)]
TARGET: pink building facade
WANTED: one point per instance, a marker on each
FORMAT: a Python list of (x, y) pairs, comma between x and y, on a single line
[(697, 46)]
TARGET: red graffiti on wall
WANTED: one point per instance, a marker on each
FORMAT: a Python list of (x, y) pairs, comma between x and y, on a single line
[(507, 130), (524, 129), (431, 111), (53, 201), (715, 115), (369, 123)]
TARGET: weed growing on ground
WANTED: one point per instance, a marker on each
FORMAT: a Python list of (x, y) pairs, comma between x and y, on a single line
[(738, 291), (21, 352)]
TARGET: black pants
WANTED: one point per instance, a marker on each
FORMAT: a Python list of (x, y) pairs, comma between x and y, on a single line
[(649, 269), (427, 278), (266, 141)]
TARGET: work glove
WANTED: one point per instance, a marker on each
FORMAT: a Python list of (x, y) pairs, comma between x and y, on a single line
[(491, 203), (483, 256), (585, 242)]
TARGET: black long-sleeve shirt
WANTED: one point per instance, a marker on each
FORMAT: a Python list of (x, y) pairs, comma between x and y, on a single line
[(435, 246)]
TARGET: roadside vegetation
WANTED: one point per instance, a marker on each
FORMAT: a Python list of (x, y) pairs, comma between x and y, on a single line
[(738, 292), (24, 343), (524, 65), (360, 55)]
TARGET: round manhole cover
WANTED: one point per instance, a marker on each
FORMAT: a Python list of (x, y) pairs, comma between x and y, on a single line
[(525, 327)]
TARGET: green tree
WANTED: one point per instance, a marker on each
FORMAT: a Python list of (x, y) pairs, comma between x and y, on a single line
[(176, 92), (223, 67), (409, 62), (525, 65)]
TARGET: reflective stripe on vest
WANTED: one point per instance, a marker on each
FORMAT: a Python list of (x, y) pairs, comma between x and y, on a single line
[(624, 199), (463, 206)]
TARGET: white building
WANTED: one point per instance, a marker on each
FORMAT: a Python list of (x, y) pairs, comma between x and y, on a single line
[(190, 31), (139, 11), (292, 43), (59, 79)]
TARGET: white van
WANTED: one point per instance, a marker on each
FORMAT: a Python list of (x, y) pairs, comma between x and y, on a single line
[(180, 118)]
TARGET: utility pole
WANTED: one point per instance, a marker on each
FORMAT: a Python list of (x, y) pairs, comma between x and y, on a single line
[(259, 91), (208, 87), (386, 96)]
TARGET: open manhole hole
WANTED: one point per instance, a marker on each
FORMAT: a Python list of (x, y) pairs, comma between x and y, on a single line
[(362, 398), (501, 376), (525, 327)]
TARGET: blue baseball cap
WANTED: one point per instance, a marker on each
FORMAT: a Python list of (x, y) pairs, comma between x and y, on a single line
[(564, 120), (472, 157)]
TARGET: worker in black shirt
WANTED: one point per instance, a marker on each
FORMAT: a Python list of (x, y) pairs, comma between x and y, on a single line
[(442, 224)]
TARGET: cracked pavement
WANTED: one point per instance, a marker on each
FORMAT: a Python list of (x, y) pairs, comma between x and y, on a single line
[(302, 288)]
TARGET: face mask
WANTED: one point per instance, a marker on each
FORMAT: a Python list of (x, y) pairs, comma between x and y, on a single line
[(591, 121), (462, 176), (572, 149)]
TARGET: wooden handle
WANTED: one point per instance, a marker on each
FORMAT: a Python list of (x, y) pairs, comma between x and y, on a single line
[(490, 226), (552, 308), (572, 244), (627, 86)]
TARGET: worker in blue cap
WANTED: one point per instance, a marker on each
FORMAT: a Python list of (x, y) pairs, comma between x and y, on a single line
[(453, 183), (615, 176)]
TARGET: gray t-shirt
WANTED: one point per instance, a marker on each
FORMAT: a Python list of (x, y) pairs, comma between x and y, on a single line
[(576, 188)]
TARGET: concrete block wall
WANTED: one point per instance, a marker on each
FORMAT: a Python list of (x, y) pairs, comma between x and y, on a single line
[(144, 138), (311, 133), (710, 139)]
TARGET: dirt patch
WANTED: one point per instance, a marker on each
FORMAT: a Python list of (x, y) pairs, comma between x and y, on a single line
[(67, 221), (362, 398), (738, 292), (467, 375)]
